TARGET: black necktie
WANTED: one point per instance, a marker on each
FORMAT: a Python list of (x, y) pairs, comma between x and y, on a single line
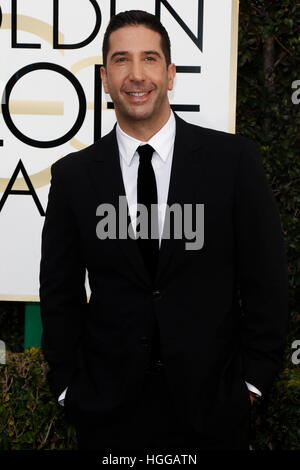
[(147, 195)]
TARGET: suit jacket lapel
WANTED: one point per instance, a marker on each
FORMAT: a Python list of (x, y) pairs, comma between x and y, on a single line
[(105, 172), (189, 158)]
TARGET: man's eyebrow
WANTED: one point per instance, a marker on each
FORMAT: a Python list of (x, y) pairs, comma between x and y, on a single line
[(152, 53), (122, 53), (115, 54)]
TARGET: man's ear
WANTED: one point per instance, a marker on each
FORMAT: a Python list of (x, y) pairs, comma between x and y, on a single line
[(104, 79), (171, 76)]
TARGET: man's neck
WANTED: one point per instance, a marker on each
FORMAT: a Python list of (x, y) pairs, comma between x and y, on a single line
[(143, 130)]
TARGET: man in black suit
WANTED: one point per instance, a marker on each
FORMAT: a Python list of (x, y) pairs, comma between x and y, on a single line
[(176, 340)]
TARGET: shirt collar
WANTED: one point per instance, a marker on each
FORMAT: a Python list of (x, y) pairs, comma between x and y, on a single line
[(162, 141)]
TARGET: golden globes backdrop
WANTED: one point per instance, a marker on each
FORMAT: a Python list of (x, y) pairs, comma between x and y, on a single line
[(53, 102)]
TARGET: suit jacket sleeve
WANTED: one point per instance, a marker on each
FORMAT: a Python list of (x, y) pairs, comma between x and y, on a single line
[(262, 272), (62, 290)]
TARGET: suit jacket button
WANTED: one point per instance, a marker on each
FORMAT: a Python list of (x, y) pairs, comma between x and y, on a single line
[(145, 342), (156, 294)]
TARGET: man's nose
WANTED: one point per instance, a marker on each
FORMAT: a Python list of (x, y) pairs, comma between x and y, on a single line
[(136, 71)]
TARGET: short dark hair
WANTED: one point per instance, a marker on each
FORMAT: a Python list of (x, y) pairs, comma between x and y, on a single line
[(135, 18)]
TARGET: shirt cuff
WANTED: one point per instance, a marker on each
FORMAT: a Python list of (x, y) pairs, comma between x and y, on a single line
[(253, 389), (61, 397)]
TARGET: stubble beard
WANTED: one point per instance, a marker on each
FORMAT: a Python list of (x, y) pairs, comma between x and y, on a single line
[(129, 112)]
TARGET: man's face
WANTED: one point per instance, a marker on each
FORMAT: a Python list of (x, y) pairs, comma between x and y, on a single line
[(136, 74)]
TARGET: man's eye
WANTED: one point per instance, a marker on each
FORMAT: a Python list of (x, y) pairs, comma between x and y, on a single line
[(121, 59), (150, 58)]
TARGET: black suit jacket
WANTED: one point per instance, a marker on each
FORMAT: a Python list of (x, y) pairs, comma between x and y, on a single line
[(221, 310)]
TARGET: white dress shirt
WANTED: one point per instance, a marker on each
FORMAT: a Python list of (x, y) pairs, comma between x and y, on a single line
[(163, 145)]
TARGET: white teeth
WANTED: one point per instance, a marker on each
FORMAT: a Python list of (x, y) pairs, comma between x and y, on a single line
[(138, 94)]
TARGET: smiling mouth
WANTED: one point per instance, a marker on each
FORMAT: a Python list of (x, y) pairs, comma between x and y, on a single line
[(138, 93)]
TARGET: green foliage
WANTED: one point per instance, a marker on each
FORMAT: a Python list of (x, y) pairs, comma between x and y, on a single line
[(275, 421), (30, 417)]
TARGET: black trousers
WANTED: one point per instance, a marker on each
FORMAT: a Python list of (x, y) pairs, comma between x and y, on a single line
[(151, 423)]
